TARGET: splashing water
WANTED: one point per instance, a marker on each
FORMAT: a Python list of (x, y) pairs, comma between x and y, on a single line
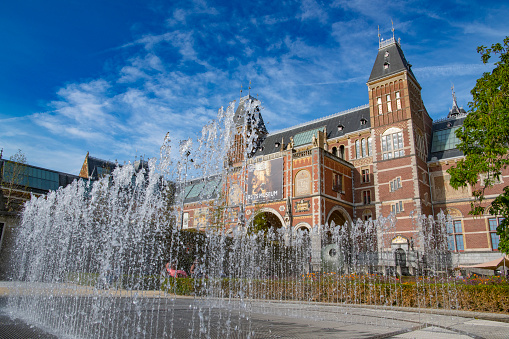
[(89, 256)]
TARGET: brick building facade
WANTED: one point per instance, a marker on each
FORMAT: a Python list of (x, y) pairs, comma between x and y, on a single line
[(385, 157)]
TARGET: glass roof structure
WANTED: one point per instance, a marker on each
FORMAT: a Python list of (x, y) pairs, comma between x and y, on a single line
[(444, 139), (304, 138)]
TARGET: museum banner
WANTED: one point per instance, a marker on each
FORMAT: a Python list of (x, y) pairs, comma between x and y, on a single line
[(265, 181)]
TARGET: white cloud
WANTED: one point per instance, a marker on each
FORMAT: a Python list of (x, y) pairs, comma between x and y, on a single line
[(310, 9)]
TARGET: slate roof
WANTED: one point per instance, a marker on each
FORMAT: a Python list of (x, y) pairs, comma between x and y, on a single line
[(392, 55), (350, 120), (240, 113)]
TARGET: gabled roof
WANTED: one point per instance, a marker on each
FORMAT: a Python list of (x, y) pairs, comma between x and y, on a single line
[(390, 60), (350, 121)]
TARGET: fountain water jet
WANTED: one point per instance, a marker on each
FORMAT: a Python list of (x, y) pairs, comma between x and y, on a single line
[(89, 256)]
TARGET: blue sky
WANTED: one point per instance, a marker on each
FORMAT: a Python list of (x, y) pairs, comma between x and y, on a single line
[(113, 77)]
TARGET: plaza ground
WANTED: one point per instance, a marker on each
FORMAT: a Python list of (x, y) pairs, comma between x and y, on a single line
[(178, 317)]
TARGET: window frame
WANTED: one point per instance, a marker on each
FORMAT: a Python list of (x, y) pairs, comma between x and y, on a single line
[(366, 197), (337, 182), (379, 105), (398, 100), (365, 175), (389, 103), (493, 232), (455, 236), (393, 145)]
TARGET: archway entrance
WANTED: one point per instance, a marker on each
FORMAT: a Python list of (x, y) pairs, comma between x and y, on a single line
[(264, 221), (337, 218), (336, 243)]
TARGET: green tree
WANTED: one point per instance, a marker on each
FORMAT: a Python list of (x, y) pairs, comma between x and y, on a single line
[(485, 139)]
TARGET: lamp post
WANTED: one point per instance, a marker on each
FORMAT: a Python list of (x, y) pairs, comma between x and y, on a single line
[(184, 190)]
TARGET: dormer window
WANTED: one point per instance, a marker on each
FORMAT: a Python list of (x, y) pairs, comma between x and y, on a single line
[(340, 127), (386, 65), (277, 144), (386, 54), (363, 121)]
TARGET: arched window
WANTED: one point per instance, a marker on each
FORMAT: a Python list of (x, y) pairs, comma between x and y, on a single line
[(342, 152), (392, 143), (370, 144), (357, 149), (363, 147), (335, 151)]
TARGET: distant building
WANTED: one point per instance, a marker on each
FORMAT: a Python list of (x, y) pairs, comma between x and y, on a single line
[(95, 168), (18, 182), (385, 157)]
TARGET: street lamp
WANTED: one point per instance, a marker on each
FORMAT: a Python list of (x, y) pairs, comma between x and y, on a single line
[(184, 190)]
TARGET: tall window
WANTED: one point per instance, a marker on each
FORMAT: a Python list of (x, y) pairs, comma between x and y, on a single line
[(337, 182), (455, 236), (342, 152), (397, 207), (379, 104), (398, 101), (392, 145), (395, 184), (370, 144), (495, 239), (363, 147), (365, 175), (357, 149), (366, 197), (185, 221), (389, 106)]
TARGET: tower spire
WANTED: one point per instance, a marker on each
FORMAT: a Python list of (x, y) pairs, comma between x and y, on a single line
[(454, 100)]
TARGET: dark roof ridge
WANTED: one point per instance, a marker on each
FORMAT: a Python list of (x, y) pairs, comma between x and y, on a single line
[(350, 110)]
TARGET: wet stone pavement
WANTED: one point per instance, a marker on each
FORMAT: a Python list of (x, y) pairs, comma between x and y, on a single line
[(176, 317)]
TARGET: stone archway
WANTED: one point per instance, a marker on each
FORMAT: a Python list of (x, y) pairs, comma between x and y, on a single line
[(339, 215), (265, 219)]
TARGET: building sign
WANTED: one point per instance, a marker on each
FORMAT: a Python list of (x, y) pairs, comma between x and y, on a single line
[(201, 217), (265, 181), (302, 206), (399, 240)]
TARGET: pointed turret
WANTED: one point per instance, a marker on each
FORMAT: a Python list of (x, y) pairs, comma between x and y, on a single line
[(390, 60), (251, 130), (455, 111)]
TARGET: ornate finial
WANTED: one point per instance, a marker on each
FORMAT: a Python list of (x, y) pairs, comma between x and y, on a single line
[(249, 88), (1, 153), (241, 91), (378, 34), (392, 23), (454, 100)]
